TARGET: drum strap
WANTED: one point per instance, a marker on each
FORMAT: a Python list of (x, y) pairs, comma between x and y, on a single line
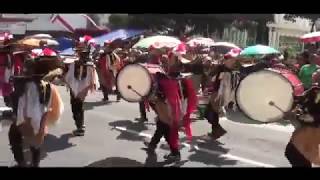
[(235, 78), (181, 89), (9, 61)]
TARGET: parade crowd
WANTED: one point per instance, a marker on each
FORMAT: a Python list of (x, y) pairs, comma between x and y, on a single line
[(175, 78)]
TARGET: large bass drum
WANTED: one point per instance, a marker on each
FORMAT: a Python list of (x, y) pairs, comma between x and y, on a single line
[(135, 81), (265, 95)]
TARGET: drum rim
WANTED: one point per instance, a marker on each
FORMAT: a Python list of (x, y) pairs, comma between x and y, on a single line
[(117, 86), (236, 96)]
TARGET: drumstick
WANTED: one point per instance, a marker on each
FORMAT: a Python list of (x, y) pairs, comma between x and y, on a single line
[(130, 87), (271, 103)]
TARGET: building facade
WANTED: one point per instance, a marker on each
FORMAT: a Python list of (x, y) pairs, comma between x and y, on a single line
[(283, 33)]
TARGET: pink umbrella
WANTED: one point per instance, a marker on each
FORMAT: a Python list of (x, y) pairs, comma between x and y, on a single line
[(200, 41), (310, 37)]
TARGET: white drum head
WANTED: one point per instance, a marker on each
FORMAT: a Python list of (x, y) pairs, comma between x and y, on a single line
[(258, 89), (134, 82)]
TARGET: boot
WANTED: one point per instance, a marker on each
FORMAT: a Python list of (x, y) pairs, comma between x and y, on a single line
[(105, 98), (36, 152), (118, 97), (17, 151), (174, 156), (16, 143), (217, 132), (150, 148), (80, 131)]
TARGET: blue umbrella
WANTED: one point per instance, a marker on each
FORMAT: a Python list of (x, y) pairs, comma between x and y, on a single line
[(64, 43), (118, 34), (68, 51)]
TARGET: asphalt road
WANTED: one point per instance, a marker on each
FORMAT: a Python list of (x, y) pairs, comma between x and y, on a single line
[(114, 139)]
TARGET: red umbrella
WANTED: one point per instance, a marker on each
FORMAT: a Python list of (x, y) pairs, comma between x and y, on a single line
[(310, 37)]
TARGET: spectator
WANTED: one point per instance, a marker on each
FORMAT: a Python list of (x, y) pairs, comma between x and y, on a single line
[(306, 71)]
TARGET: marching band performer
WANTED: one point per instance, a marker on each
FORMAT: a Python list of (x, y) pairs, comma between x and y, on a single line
[(37, 104), (6, 68), (179, 96), (154, 58), (108, 67), (303, 147), (81, 77), (223, 92)]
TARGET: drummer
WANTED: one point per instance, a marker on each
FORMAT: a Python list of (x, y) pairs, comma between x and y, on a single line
[(176, 92), (309, 111), (154, 58), (219, 94)]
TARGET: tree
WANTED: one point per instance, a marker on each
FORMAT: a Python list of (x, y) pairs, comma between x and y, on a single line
[(312, 17), (117, 21), (95, 18), (203, 23)]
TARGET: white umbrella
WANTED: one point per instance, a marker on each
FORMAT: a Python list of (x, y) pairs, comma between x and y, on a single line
[(224, 47), (41, 36), (225, 44)]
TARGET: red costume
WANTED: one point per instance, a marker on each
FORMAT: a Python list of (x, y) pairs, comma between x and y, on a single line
[(106, 74), (6, 61), (191, 106)]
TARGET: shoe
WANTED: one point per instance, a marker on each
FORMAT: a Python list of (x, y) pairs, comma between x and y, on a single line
[(141, 119), (217, 132), (105, 99), (149, 149), (118, 98), (172, 157), (7, 114), (78, 132), (144, 119)]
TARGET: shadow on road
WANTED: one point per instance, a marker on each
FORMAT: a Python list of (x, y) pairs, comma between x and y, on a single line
[(207, 158), (152, 161), (116, 162), (53, 143), (239, 117), (130, 125), (91, 105)]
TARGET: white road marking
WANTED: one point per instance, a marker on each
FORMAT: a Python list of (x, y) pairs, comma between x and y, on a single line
[(5, 109), (226, 155), (272, 126)]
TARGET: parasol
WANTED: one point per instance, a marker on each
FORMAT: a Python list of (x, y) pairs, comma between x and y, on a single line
[(36, 42), (41, 36), (224, 47), (310, 37), (258, 50), (200, 41), (158, 42)]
